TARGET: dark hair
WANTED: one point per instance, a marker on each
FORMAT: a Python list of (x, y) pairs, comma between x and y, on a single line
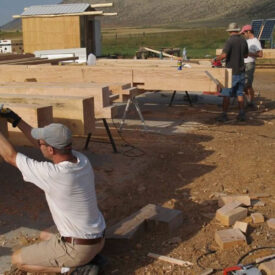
[(64, 151)]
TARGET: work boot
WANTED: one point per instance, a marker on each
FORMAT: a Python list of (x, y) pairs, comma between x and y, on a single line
[(88, 269), (222, 118), (241, 116), (251, 106), (91, 268)]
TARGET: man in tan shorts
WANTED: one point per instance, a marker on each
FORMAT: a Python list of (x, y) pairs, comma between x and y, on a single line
[(68, 183)]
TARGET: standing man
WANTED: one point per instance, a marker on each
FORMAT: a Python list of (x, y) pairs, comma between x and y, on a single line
[(68, 183), (254, 51), (234, 52)]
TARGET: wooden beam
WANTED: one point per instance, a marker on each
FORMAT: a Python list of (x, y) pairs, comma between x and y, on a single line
[(63, 14), (169, 55), (102, 5), (53, 61), (75, 112), (110, 14), (99, 92), (189, 79), (21, 60)]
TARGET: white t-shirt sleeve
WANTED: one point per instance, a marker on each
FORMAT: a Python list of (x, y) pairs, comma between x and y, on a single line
[(36, 172)]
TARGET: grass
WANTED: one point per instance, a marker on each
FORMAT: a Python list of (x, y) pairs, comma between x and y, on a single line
[(10, 35), (198, 42), (124, 42)]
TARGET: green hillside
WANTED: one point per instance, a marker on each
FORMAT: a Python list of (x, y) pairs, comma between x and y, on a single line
[(178, 13)]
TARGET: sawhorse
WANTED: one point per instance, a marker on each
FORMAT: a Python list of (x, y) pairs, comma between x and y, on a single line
[(134, 101), (109, 135), (174, 94)]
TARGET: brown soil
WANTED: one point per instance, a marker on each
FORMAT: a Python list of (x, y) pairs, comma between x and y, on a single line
[(187, 171)]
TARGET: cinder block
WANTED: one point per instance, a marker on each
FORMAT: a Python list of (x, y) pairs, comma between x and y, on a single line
[(229, 238), (257, 218), (268, 268), (244, 199), (127, 231), (271, 223), (230, 213), (243, 226)]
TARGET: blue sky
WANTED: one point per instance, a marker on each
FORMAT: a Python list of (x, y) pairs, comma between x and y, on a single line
[(8, 8)]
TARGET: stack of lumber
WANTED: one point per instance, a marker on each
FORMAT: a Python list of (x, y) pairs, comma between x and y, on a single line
[(78, 95), (30, 59), (146, 78), (76, 105)]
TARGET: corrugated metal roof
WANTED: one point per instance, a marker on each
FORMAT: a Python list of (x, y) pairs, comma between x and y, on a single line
[(56, 9)]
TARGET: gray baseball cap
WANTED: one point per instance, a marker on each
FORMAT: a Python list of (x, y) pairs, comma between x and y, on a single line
[(56, 135)]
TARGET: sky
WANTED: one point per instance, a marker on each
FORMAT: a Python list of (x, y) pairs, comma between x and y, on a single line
[(8, 8)]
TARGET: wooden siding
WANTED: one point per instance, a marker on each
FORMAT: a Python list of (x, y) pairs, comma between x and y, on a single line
[(51, 33)]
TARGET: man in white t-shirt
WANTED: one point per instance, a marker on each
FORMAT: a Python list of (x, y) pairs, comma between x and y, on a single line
[(68, 183), (255, 50)]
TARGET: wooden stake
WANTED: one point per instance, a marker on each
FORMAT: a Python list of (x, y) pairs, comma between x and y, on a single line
[(169, 260)]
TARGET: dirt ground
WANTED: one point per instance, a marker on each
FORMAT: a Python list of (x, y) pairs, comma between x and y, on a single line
[(186, 165)]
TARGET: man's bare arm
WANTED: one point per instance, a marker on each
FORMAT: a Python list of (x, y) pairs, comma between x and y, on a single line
[(26, 130), (257, 54), (7, 152)]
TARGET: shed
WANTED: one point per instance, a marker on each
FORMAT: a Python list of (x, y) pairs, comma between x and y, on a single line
[(62, 26)]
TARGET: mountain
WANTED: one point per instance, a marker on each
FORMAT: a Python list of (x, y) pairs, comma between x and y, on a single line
[(180, 13), (13, 25), (183, 13)]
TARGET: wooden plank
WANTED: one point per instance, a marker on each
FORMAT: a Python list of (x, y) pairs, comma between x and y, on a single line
[(170, 260), (53, 61), (35, 115), (59, 15), (100, 93), (75, 112), (10, 56), (101, 5), (110, 14)]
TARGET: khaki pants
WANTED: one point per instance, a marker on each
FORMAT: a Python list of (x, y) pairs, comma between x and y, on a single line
[(57, 253)]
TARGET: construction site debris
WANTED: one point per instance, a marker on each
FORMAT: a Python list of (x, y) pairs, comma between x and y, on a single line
[(229, 238), (257, 217), (170, 260)]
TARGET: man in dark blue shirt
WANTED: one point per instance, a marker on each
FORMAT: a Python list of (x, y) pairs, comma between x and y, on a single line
[(234, 52)]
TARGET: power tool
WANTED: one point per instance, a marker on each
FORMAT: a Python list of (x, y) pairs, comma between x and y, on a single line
[(242, 270), (216, 63)]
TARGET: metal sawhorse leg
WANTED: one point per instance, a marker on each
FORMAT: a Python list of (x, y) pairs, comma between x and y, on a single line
[(173, 96), (109, 135), (134, 101)]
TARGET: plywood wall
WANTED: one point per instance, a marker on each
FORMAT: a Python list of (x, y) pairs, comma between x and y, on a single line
[(48, 33)]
